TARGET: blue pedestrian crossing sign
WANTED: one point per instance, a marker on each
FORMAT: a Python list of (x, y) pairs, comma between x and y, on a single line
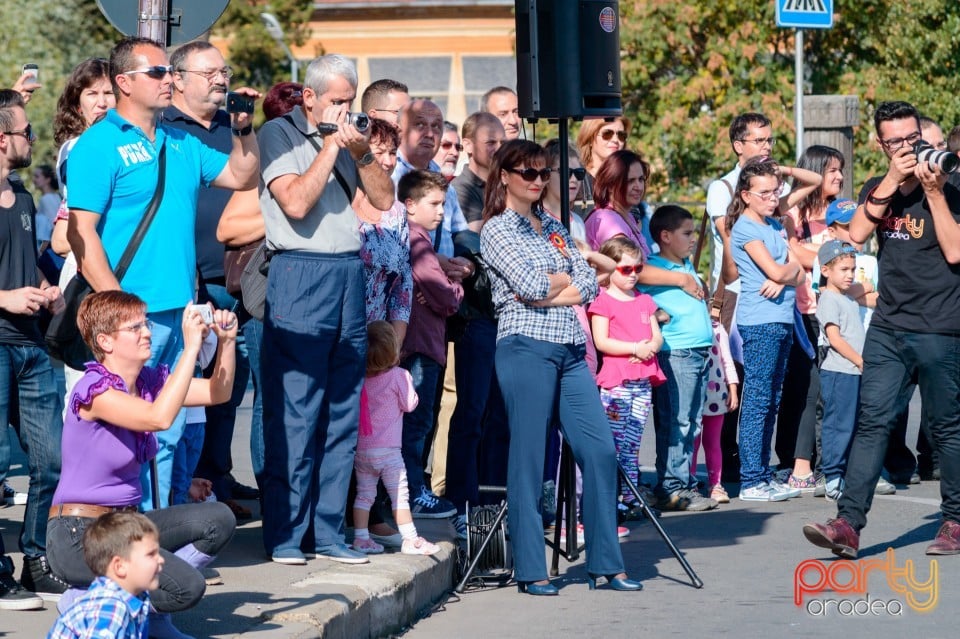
[(805, 14)]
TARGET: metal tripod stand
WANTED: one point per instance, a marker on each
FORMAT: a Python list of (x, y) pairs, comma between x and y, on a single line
[(567, 498)]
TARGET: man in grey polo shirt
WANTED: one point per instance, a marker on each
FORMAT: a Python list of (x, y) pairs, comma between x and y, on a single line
[(314, 337)]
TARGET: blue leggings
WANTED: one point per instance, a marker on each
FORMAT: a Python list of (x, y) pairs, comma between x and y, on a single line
[(766, 348)]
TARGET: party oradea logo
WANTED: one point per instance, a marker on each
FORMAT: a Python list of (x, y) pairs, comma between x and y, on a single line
[(864, 587)]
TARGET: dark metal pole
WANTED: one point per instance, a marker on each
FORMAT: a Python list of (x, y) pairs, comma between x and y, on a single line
[(564, 172)]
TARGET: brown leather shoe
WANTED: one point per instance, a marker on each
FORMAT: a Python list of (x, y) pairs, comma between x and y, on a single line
[(947, 541), (837, 535)]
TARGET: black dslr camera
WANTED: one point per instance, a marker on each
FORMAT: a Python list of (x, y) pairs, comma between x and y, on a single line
[(948, 162)]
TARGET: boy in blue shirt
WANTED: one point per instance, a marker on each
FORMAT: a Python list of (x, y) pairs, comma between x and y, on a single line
[(678, 403), (123, 550)]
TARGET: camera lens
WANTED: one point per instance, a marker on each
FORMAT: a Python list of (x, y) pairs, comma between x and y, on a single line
[(360, 120), (948, 162)]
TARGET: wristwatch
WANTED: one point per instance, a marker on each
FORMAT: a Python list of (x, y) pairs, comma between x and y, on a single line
[(247, 130), (366, 159)]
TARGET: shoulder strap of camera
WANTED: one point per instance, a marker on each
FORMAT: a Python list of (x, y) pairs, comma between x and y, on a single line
[(336, 172)]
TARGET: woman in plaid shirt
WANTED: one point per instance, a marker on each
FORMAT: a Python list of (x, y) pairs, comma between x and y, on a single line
[(537, 276)]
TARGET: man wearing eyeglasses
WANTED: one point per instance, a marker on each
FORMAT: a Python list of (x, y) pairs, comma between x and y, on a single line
[(114, 176), (314, 334), (28, 396), (201, 79), (448, 154), (914, 332), (383, 100), (751, 135)]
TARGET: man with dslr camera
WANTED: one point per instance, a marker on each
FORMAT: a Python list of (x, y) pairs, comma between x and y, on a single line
[(314, 337), (915, 330)]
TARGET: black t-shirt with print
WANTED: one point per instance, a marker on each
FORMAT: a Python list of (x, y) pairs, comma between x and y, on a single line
[(919, 290), (18, 265)]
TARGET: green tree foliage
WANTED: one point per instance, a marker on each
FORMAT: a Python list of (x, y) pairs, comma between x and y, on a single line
[(57, 35), (257, 59), (690, 67)]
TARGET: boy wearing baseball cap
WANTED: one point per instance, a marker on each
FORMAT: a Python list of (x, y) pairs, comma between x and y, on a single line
[(842, 337)]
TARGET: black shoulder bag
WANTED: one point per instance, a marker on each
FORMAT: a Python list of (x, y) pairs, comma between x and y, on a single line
[(63, 338)]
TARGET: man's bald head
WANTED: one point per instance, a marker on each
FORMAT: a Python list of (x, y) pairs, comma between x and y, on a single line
[(421, 129)]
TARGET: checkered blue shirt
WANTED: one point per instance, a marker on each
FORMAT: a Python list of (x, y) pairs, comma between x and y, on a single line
[(519, 262), (105, 610)]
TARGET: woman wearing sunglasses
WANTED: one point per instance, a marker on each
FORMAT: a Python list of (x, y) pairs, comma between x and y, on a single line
[(537, 276), (598, 140), (558, 188)]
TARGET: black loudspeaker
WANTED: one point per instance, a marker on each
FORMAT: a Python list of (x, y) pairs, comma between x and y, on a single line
[(568, 58)]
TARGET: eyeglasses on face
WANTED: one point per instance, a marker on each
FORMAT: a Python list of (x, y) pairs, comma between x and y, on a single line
[(578, 174), (156, 72), (529, 175), (607, 135), (761, 141), (628, 269), (768, 195), (895, 144), (447, 145), (26, 132), (138, 327), (210, 74)]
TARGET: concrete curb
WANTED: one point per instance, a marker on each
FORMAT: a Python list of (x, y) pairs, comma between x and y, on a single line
[(367, 601)]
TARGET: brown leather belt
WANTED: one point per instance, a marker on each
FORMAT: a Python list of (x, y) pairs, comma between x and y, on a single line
[(86, 510)]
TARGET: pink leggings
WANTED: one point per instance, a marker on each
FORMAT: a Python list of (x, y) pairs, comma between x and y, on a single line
[(711, 449), (383, 464)]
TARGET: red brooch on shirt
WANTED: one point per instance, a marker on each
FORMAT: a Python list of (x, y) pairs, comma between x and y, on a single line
[(559, 243)]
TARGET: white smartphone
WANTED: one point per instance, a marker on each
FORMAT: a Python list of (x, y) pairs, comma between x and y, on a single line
[(32, 69), (206, 313)]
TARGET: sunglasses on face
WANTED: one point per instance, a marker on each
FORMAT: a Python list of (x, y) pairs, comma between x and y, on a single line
[(156, 72), (446, 145), (628, 269), (529, 175), (26, 132), (578, 173), (607, 135)]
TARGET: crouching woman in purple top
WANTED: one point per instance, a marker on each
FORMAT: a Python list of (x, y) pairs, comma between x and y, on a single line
[(108, 433), (537, 276)]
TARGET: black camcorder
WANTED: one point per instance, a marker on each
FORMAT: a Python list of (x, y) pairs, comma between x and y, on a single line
[(361, 121)]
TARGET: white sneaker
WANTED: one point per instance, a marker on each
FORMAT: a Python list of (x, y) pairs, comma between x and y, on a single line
[(762, 492), (781, 487), (419, 546)]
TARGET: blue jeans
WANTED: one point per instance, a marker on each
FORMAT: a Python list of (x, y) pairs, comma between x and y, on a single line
[(418, 424), (766, 348), (166, 345), (253, 339), (314, 360), (678, 407), (539, 380), (185, 462), (28, 402), (891, 359), (841, 401), (478, 407), (216, 463)]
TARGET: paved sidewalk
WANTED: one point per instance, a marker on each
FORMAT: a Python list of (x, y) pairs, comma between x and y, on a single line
[(264, 600)]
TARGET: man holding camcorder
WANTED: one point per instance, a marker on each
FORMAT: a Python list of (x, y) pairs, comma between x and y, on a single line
[(915, 330)]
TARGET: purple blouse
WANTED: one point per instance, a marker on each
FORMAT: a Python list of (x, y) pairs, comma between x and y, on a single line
[(101, 462)]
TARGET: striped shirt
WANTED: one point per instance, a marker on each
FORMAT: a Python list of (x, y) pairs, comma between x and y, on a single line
[(520, 261)]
